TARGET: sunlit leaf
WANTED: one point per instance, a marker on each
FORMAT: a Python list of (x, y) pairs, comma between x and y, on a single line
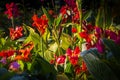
[(58, 20), (21, 64), (68, 68), (49, 53), (65, 41)]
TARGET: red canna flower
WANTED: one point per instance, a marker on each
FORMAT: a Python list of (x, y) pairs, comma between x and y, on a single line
[(73, 60), (76, 50), (7, 53), (52, 61), (65, 11), (86, 36), (75, 15), (74, 30), (16, 33), (23, 54), (73, 55), (84, 67), (40, 23), (77, 69), (12, 10), (61, 59), (69, 52)]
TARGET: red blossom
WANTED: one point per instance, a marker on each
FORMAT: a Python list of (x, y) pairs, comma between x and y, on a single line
[(69, 52), (12, 10), (16, 33), (7, 53), (76, 50), (76, 15), (40, 23), (73, 55), (52, 61), (77, 69), (74, 30), (73, 60), (61, 59), (23, 54), (86, 36), (84, 67)]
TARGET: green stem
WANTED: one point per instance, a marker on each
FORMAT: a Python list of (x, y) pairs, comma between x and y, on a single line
[(42, 50), (79, 5), (57, 40), (12, 20)]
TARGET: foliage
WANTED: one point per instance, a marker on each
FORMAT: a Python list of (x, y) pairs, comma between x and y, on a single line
[(70, 44)]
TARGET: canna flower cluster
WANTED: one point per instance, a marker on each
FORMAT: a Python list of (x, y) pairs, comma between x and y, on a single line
[(71, 56), (13, 56), (16, 33), (93, 36), (12, 10), (70, 12), (40, 23)]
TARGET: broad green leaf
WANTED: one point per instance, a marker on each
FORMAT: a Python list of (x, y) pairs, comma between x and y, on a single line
[(41, 66), (114, 48), (96, 67), (34, 37), (49, 53), (65, 41)]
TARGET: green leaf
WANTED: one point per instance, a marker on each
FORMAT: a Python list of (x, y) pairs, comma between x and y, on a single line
[(62, 77), (50, 18), (87, 15), (114, 48), (68, 68), (99, 19), (58, 20), (21, 64), (65, 41), (34, 37), (41, 66), (46, 36), (49, 53), (28, 65), (96, 67)]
